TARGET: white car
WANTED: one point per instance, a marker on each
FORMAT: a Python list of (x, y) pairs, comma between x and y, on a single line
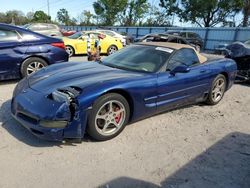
[(115, 35)]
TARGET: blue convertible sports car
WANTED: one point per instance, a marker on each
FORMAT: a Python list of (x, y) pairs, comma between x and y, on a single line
[(102, 97), (23, 52)]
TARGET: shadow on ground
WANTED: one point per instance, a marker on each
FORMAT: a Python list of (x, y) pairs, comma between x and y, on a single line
[(224, 165), (6, 82), (243, 83)]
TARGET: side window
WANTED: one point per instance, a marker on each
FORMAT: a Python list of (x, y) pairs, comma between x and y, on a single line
[(183, 56), (148, 39), (110, 33), (183, 34), (8, 35), (181, 41), (172, 40), (192, 35)]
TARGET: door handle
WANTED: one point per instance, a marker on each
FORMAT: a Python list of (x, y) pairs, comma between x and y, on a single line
[(203, 71)]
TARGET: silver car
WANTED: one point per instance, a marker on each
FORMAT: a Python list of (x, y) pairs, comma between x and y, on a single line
[(44, 28)]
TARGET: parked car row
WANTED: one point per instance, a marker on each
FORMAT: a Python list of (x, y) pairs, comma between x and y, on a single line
[(25, 50), (77, 43), (190, 38)]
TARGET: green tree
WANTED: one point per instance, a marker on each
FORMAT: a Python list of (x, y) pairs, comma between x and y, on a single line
[(108, 10), (16, 17), (3, 17), (246, 12), (207, 13), (73, 21), (41, 16), (157, 17), (134, 12), (63, 16), (86, 18), (30, 16)]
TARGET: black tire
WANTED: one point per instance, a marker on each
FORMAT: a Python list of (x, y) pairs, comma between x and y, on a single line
[(211, 99), (70, 50), (112, 49), (93, 129), (29, 62)]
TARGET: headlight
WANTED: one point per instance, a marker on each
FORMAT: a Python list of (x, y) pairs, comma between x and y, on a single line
[(53, 124), (60, 97), (65, 94)]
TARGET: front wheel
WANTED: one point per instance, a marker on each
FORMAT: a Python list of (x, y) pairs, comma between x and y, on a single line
[(217, 90), (109, 117)]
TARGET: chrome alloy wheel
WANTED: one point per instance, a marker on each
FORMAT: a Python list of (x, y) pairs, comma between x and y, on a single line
[(112, 49), (69, 50), (33, 67), (110, 118), (218, 90)]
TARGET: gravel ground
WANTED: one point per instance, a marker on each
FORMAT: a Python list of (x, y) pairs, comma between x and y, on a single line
[(197, 146)]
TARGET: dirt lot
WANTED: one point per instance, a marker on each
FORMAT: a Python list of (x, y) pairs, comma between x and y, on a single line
[(197, 146)]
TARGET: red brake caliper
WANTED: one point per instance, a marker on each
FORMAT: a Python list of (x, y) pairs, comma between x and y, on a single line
[(119, 116)]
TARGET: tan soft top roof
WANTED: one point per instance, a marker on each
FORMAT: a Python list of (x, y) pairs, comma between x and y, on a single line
[(175, 46)]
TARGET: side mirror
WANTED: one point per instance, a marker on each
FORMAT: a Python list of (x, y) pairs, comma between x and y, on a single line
[(180, 69)]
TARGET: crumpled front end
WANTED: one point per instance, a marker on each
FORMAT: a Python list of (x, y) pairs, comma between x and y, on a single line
[(54, 116)]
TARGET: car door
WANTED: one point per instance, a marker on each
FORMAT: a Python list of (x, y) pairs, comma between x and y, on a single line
[(182, 88), (81, 44), (10, 56)]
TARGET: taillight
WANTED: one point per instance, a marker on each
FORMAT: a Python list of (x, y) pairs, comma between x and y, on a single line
[(58, 45)]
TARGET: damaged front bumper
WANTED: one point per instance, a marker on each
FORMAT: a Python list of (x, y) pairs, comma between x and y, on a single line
[(46, 118)]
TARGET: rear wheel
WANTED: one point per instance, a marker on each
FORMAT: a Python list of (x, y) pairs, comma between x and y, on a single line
[(31, 65), (70, 50), (217, 90), (112, 49), (109, 117)]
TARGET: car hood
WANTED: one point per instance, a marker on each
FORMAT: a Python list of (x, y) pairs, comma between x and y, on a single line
[(79, 75)]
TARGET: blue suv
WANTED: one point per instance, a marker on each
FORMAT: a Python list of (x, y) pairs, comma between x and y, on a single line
[(23, 52)]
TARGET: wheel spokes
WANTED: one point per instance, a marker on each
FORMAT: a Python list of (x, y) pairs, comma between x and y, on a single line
[(218, 90), (110, 117), (33, 67)]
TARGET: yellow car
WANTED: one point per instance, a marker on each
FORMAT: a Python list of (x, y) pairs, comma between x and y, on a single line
[(77, 43)]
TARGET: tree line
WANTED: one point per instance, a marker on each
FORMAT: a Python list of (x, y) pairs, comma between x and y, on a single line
[(203, 13)]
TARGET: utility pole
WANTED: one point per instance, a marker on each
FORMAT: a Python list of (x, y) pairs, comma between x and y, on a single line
[(48, 8)]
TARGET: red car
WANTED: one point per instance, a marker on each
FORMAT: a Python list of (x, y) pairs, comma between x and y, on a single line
[(67, 33)]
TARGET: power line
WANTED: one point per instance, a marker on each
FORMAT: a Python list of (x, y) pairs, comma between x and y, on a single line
[(48, 8)]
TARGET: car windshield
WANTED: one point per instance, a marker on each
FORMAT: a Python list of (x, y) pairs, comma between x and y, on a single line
[(139, 58), (75, 36)]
